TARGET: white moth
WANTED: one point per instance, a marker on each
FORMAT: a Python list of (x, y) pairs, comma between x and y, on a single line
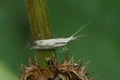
[(49, 44)]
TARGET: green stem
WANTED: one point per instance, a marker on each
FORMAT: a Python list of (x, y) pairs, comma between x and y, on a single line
[(40, 26)]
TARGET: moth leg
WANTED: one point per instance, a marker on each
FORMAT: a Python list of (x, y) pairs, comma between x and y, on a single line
[(36, 59), (64, 49), (66, 53)]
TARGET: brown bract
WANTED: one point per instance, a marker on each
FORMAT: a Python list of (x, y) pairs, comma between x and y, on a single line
[(68, 70)]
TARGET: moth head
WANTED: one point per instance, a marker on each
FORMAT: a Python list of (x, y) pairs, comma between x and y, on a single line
[(32, 45)]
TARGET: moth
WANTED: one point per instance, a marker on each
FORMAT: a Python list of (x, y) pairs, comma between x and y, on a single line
[(49, 44)]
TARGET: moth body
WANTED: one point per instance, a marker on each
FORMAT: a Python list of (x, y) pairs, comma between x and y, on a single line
[(48, 44)]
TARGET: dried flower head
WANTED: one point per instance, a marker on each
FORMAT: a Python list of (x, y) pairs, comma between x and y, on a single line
[(68, 70)]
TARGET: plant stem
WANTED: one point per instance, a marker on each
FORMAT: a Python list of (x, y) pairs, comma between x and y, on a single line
[(40, 26)]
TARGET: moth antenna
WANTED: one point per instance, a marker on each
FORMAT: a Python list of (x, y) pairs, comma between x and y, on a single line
[(76, 37), (80, 29)]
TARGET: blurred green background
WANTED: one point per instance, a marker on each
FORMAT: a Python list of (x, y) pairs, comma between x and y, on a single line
[(101, 46)]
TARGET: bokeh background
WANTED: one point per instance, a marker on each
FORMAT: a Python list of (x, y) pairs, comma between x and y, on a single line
[(101, 46)]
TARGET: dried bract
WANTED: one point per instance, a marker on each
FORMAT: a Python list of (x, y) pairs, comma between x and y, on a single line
[(68, 70)]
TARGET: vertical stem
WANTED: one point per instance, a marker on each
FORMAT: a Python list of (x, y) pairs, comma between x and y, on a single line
[(40, 26)]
